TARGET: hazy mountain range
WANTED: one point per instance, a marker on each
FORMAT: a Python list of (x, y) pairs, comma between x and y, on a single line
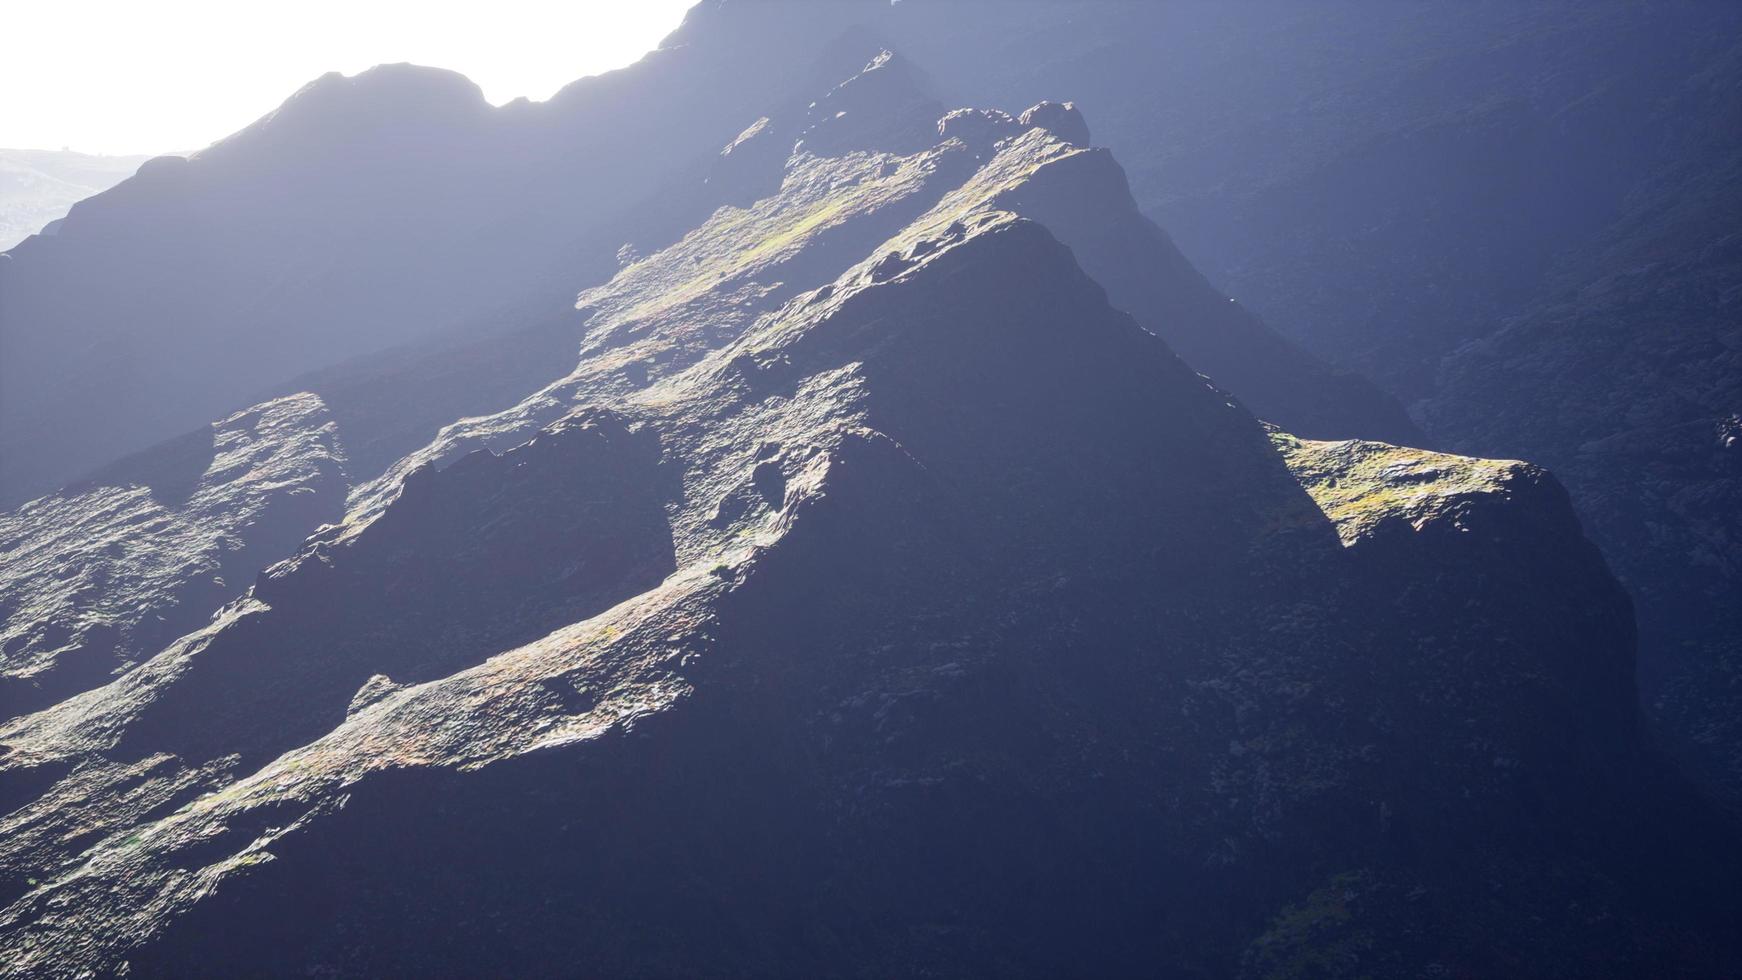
[(943, 488)]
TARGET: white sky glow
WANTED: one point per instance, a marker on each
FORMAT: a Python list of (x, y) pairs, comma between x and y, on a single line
[(156, 76)]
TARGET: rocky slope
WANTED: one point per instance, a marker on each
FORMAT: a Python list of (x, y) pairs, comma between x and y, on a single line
[(102, 575), (1627, 377), (354, 261), (829, 629), (864, 580), (874, 563), (1382, 181), (1514, 217), (801, 192), (310, 237)]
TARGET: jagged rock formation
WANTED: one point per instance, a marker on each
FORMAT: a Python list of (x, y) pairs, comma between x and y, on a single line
[(862, 576), (309, 237), (1081, 195), (883, 591), (819, 215), (102, 575), (304, 239), (885, 626), (887, 107)]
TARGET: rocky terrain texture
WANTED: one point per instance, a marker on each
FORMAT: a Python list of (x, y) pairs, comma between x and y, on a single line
[(37, 187), (201, 284), (899, 561), (102, 575), (773, 623)]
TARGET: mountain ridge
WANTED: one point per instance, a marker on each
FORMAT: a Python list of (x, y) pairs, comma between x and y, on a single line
[(897, 559), (874, 472)]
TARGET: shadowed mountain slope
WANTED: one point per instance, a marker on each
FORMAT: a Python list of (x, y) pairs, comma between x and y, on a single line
[(1626, 376), (1519, 218), (900, 562), (942, 608)]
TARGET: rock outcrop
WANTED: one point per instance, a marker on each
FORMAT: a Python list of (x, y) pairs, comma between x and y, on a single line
[(102, 575)]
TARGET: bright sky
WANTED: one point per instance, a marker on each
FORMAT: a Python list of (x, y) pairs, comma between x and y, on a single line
[(155, 76)]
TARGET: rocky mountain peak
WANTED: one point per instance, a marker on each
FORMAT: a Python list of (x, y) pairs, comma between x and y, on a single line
[(865, 506)]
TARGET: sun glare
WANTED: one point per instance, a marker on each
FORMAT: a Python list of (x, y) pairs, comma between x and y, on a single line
[(113, 76)]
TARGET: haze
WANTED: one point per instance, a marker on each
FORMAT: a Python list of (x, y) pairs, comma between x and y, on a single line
[(121, 77)]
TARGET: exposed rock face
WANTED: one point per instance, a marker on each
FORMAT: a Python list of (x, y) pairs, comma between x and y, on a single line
[(1081, 195), (1392, 507), (1362, 485), (837, 631), (474, 560), (883, 586), (309, 237), (1062, 119), (978, 127), (102, 575), (886, 107)]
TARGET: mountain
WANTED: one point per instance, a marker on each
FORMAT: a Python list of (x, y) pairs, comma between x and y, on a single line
[(364, 213), (744, 639), (1516, 218), (878, 593), (825, 530), (102, 575), (1626, 375), (1381, 181), (371, 413), (214, 282), (38, 186)]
